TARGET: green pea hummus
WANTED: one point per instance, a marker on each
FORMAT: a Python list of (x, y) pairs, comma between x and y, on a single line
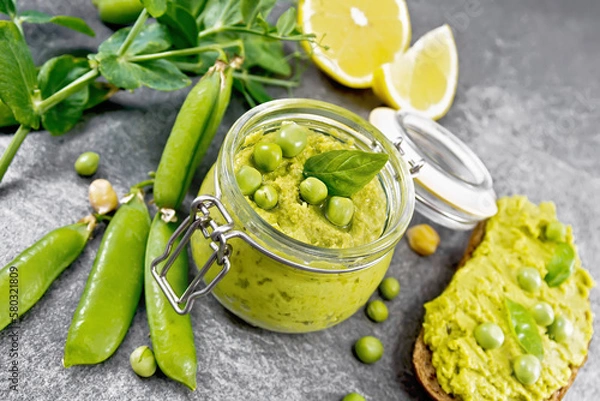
[(514, 238), (306, 222), (275, 296)]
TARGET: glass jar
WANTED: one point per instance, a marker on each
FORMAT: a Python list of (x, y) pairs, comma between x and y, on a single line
[(260, 274)]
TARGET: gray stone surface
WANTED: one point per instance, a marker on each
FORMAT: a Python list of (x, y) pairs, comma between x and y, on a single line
[(528, 103)]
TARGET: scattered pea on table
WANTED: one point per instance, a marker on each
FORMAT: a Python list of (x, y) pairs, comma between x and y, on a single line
[(87, 163), (368, 349), (377, 311), (142, 361), (389, 288)]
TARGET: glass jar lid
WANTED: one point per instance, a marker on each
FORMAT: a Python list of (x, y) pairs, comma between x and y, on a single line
[(452, 185)]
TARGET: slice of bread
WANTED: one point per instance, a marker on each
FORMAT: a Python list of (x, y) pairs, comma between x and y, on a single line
[(422, 354)]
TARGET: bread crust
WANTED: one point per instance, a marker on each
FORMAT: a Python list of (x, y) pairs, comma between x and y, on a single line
[(422, 355)]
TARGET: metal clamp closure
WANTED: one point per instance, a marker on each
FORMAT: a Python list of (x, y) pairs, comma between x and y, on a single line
[(199, 219), (415, 166)]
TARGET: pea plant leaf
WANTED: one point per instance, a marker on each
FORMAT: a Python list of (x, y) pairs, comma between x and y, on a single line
[(156, 8), (54, 75), (8, 7), (152, 38), (250, 9), (74, 23), (524, 328), (286, 22), (18, 77), (561, 265), (265, 53), (194, 7), (7, 118), (182, 26), (345, 172), (99, 93), (156, 74)]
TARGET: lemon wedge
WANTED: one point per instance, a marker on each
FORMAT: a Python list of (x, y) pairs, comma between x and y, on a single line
[(356, 36), (424, 78)]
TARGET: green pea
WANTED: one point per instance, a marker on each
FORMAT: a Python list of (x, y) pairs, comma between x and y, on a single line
[(368, 349), (377, 311), (489, 335), (266, 197), (142, 361), (561, 329), (529, 279), (339, 211), (313, 190), (389, 288), (292, 139), (248, 179), (556, 231), (543, 314), (87, 163), (527, 369), (353, 397), (267, 156)]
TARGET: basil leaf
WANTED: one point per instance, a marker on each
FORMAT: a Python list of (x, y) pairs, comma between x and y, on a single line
[(265, 53), (7, 118), (54, 75), (156, 8), (153, 38), (345, 172), (286, 22), (156, 74), (524, 328), (8, 7), (181, 25), (74, 23), (561, 266), (18, 77)]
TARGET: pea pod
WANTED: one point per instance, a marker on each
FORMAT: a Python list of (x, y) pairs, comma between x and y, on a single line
[(524, 328), (561, 266), (113, 288), (192, 133), (121, 12), (26, 278), (171, 333)]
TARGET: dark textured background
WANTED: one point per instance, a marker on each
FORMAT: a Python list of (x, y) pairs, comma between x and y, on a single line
[(528, 103)]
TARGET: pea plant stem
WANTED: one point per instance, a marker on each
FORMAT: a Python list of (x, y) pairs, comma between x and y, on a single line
[(183, 52), (266, 80), (12, 149), (67, 91), (135, 30), (241, 29)]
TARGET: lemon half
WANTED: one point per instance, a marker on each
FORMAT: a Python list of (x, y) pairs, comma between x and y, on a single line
[(424, 78), (359, 36)]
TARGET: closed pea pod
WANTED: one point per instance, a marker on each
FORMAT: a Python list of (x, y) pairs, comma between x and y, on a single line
[(120, 12), (171, 333), (192, 133), (28, 276), (113, 288)]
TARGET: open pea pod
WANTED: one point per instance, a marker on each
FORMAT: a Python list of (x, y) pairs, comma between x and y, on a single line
[(25, 279), (524, 328), (113, 288)]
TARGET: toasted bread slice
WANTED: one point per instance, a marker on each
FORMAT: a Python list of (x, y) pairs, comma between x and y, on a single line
[(422, 354)]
